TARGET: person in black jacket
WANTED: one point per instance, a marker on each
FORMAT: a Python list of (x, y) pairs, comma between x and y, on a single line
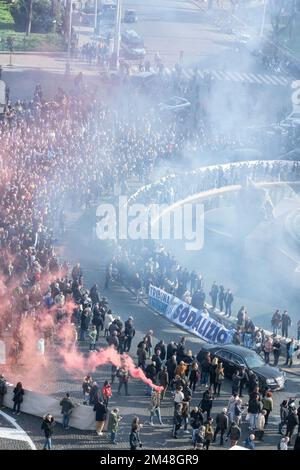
[(162, 347), (171, 350), (134, 437), (196, 420), (171, 367), (206, 403), (97, 320), (297, 442), (222, 425), (129, 334), (292, 422), (67, 407), (47, 426), (285, 323), (101, 413), (276, 350), (177, 419), (18, 398)]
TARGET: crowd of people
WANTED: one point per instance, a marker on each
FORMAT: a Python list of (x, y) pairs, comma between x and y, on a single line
[(68, 152)]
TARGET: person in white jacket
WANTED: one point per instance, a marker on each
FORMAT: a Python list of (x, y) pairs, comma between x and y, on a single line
[(108, 319), (260, 424)]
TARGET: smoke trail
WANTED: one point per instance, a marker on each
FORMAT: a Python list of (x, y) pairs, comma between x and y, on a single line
[(75, 361)]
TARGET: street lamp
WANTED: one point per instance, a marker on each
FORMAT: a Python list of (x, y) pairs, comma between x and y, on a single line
[(96, 17), (263, 23), (70, 11), (116, 52)]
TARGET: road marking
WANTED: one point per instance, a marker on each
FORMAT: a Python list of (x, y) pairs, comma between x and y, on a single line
[(17, 434), (255, 78), (269, 77), (264, 78)]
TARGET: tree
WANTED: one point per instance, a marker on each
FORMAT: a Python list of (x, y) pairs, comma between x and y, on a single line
[(36, 16), (282, 14)]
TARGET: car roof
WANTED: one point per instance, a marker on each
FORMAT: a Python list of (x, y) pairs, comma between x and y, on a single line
[(232, 348)]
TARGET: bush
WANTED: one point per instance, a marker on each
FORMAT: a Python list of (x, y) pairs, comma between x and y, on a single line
[(42, 16)]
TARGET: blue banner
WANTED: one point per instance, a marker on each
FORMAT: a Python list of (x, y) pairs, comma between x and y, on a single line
[(189, 318)]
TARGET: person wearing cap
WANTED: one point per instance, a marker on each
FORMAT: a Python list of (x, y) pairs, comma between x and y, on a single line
[(222, 425), (113, 424), (3, 390)]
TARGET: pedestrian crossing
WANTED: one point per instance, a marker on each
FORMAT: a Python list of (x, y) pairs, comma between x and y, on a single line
[(229, 76)]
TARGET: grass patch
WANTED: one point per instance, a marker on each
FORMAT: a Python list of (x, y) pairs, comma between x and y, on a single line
[(6, 20), (34, 42)]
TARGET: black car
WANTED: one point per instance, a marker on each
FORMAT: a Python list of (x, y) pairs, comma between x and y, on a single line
[(130, 16), (234, 357)]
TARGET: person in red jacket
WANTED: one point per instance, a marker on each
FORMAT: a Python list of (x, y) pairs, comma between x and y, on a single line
[(106, 393)]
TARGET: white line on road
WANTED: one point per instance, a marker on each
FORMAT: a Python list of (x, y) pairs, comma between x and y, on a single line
[(18, 433)]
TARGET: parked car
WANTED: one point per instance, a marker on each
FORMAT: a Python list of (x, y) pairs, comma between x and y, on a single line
[(175, 104), (234, 357), (132, 53), (130, 16), (132, 38)]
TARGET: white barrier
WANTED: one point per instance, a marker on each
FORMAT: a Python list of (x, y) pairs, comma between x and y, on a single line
[(37, 404)]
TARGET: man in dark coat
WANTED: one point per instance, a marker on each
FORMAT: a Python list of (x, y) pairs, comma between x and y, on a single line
[(171, 350), (67, 407), (292, 422), (286, 322), (3, 390), (171, 367), (222, 425), (129, 334), (214, 294), (228, 302)]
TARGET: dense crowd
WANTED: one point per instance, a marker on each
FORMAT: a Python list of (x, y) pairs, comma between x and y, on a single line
[(69, 152)]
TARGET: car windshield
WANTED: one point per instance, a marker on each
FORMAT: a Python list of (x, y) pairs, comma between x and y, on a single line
[(253, 360)]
